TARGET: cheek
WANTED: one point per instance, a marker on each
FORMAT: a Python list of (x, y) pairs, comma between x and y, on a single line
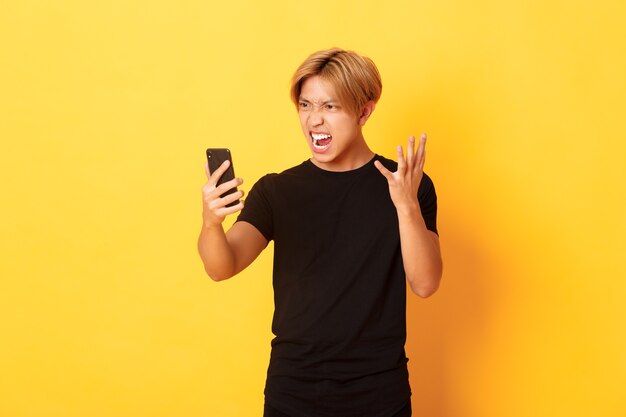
[(345, 125), (302, 120)]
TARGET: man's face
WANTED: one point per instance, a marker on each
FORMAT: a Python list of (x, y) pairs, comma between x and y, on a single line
[(332, 131)]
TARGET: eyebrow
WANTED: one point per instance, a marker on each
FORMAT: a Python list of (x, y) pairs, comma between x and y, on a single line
[(332, 100)]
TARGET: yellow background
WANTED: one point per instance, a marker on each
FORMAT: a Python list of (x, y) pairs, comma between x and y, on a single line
[(106, 109)]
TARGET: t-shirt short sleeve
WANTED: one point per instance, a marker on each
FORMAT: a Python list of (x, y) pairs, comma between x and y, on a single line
[(257, 209), (428, 203)]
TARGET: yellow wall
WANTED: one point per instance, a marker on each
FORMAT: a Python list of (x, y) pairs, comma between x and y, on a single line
[(106, 109)]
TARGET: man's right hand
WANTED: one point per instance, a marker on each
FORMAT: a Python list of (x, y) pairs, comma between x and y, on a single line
[(214, 209), (225, 254)]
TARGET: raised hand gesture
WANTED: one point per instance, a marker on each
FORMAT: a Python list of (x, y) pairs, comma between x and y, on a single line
[(404, 183)]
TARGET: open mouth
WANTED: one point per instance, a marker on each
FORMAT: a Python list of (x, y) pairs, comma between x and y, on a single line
[(321, 141)]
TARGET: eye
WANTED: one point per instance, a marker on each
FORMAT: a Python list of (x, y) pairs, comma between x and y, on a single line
[(303, 105), (331, 107)]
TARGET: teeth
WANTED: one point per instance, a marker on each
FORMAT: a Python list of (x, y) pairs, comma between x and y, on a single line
[(319, 136)]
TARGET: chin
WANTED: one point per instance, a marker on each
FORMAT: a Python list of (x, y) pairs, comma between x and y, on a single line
[(323, 157)]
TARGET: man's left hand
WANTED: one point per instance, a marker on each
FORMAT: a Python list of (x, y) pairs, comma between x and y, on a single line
[(404, 183)]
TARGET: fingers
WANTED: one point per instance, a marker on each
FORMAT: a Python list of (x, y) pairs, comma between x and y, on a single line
[(211, 191), (215, 176), (222, 202), (412, 160), (233, 209), (212, 194), (225, 211), (215, 207), (421, 153), (410, 152), (222, 188), (386, 173), (401, 160)]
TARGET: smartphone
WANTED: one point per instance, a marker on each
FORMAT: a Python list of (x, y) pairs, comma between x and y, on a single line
[(216, 157)]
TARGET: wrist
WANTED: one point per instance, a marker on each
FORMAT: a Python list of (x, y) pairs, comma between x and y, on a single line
[(211, 226), (409, 210)]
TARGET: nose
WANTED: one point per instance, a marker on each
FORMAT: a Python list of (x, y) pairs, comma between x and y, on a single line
[(315, 117)]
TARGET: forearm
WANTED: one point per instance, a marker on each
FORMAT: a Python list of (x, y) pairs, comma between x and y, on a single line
[(420, 252), (216, 254)]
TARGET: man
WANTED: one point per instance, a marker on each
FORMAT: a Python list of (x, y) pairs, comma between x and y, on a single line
[(350, 228)]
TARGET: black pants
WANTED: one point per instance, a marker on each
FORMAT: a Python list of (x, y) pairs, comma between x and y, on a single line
[(272, 412)]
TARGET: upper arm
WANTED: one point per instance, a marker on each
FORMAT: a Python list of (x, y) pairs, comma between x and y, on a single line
[(427, 198), (246, 243)]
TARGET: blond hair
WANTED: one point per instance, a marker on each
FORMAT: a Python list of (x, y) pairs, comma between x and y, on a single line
[(355, 78)]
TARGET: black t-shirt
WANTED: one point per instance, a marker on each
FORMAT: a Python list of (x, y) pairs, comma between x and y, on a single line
[(339, 289)]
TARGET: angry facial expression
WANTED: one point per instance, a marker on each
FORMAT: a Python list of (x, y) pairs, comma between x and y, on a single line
[(333, 132)]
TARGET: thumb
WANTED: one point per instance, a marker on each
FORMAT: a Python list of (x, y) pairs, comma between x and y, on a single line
[(386, 173)]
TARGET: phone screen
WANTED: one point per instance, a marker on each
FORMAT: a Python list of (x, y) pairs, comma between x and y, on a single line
[(216, 157)]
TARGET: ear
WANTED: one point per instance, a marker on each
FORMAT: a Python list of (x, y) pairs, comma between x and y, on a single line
[(366, 112)]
